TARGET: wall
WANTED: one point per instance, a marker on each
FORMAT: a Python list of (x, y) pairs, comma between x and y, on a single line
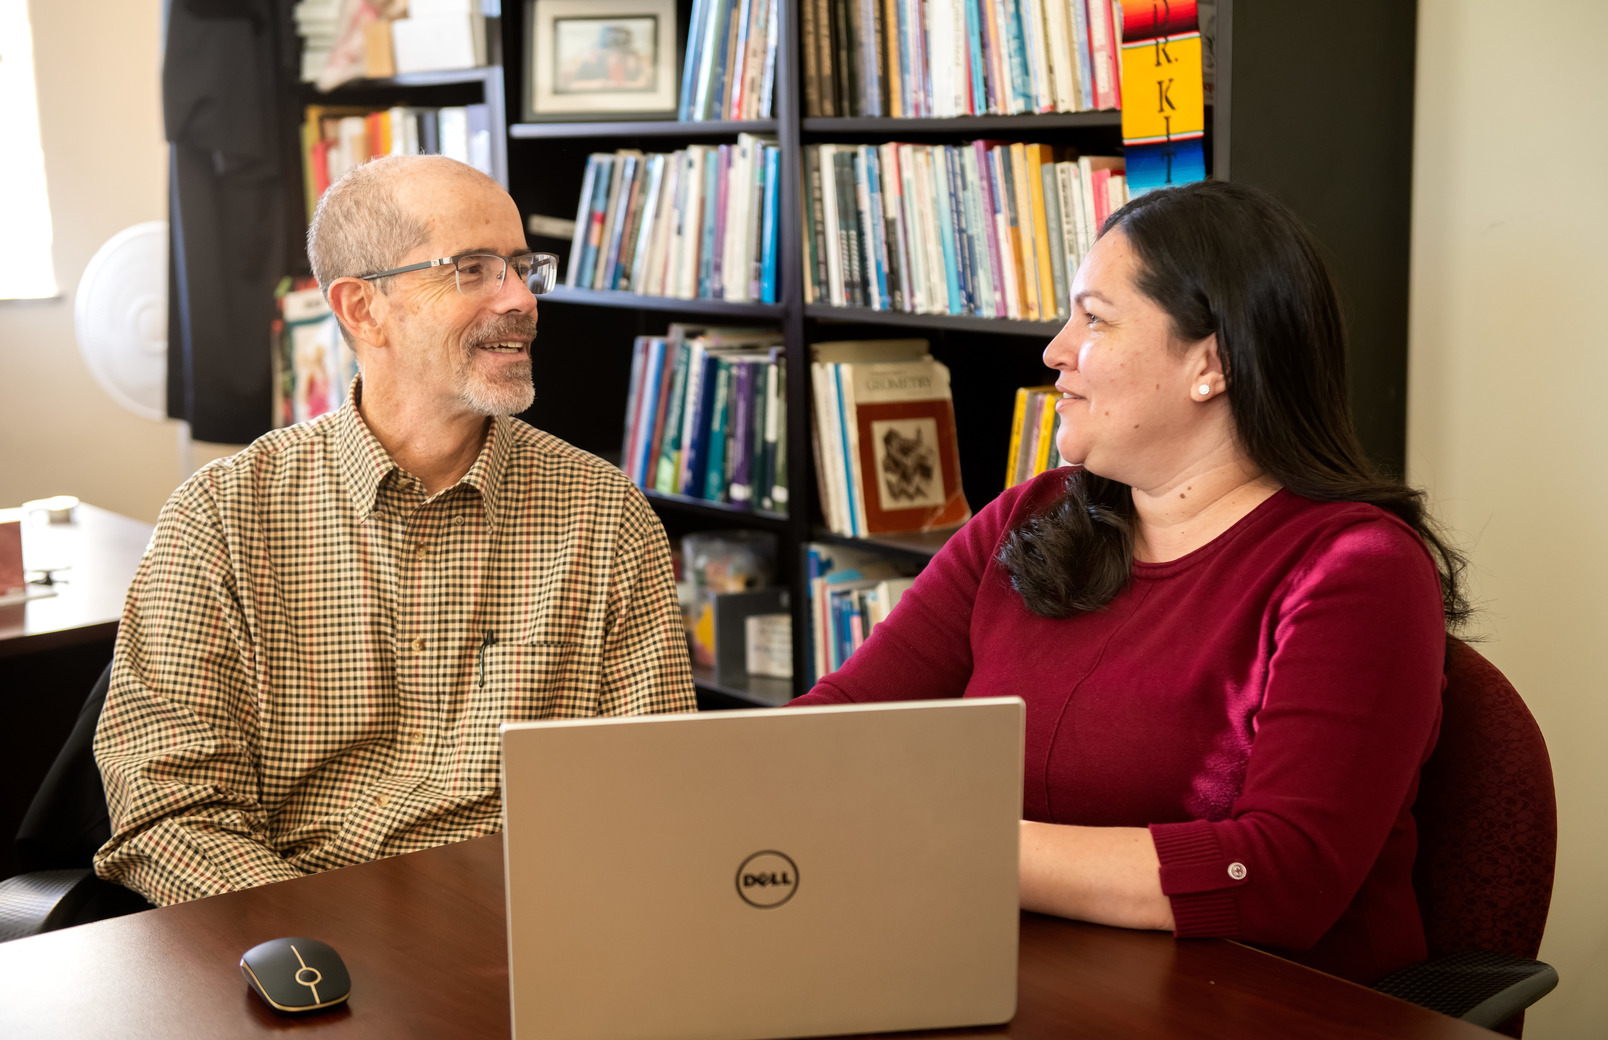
[(106, 166), (1509, 368)]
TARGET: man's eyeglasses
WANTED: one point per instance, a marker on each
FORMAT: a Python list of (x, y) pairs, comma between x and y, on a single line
[(481, 274)]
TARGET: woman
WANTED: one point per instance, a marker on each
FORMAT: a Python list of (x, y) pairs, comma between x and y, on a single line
[(1228, 629)]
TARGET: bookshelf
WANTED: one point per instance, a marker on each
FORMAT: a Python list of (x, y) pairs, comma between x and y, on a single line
[(1315, 108)]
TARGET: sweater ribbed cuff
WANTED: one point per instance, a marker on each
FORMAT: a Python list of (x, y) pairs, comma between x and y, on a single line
[(1195, 880)]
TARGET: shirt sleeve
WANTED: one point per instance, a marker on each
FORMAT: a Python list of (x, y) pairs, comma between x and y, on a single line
[(1349, 714), (647, 669), (176, 740), (923, 650)]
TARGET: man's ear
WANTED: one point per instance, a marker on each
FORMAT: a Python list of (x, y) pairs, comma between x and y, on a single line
[(359, 306)]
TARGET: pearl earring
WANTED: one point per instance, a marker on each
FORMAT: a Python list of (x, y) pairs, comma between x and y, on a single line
[(1204, 388)]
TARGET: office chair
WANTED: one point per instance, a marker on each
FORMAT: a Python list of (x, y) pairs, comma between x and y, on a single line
[(66, 822), (1487, 839)]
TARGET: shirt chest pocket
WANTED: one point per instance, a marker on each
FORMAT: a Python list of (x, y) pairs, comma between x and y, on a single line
[(523, 683)]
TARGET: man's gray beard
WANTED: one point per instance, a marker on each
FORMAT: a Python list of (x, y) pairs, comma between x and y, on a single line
[(503, 397)]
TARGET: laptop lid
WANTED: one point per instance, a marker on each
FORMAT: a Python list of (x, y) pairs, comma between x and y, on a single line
[(753, 874)]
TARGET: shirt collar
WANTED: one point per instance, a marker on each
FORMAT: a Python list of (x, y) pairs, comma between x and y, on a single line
[(364, 462)]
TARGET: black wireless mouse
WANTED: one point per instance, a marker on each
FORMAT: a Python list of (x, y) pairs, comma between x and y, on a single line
[(296, 975)]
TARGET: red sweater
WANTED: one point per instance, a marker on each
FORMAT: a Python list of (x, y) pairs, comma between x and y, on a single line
[(1262, 704)]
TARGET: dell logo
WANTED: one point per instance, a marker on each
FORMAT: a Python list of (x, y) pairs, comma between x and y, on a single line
[(767, 879)]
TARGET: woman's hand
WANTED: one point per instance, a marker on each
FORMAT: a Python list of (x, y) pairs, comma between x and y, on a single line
[(1107, 875)]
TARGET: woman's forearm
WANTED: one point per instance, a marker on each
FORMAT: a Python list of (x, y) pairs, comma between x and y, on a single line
[(1107, 875)]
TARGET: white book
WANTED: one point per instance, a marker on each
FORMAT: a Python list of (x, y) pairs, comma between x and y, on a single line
[(915, 259), (733, 281), (893, 219), (664, 219), (1066, 193), (829, 452), (960, 77), (644, 228), (929, 200), (1063, 70), (1006, 84), (685, 271), (1002, 234), (941, 57), (980, 228), (453, 127), (829, 218), (755, 246)]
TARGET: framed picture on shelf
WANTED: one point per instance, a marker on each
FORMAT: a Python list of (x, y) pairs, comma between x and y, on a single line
[(601, 59)]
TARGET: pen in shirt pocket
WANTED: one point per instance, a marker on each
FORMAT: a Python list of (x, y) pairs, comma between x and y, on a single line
[(489, 640)]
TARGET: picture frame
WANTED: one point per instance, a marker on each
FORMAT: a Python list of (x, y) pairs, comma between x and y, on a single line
[(602, 59)]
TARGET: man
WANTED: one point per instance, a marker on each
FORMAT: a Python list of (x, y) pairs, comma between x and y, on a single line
[(328, 627)]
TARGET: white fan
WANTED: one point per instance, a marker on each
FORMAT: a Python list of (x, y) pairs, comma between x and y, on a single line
[(120, 316)]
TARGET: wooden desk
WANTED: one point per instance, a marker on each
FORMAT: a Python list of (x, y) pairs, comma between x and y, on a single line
[(425, 941), (102, 550)]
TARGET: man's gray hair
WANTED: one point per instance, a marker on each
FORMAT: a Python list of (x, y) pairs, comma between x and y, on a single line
[(359, 227)]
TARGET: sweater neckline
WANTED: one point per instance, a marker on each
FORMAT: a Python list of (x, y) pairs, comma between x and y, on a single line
[(1264, 510)]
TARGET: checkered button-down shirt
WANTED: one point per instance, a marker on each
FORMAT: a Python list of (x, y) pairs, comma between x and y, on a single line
[(315, 656)]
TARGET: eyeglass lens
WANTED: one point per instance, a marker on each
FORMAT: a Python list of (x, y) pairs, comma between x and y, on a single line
[(482, 273)]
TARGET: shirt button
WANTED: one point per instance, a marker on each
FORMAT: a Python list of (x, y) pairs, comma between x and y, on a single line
[(1237, 871), (418, 645), (457, 521), (382, 801), (420, 551), (416, 736)]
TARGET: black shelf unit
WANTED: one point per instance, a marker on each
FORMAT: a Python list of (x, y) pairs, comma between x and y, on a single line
[(1277, 111), (1328, 129)]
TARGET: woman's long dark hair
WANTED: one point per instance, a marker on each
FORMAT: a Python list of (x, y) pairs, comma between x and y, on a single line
[(1225, 258)]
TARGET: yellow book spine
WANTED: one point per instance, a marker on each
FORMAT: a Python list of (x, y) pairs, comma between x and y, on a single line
[(1037, 156), (1046, 426), (1017, 417), (1028, 283)]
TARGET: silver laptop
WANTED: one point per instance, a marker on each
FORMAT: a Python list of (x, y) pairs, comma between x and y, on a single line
[(751, 874)]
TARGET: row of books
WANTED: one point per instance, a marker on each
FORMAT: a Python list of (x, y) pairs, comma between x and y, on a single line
[(1033, 430), (706, 416), (851, 591), (337, 138), (697, 223), (886, 454), (983, 228), (937, 58), (730, 67)]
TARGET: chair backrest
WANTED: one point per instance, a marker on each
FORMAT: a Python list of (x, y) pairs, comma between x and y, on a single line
[(67, 819), (1487, 817)]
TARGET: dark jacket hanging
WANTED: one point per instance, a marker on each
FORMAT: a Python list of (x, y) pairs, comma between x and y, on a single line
[(220, 83)]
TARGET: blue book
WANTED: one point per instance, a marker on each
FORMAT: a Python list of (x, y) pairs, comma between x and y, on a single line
[(742, 431), (848, 463), (1016, 51), (594, 219), (878, 244), (964, 254), (716, 92), (706, 250), (979, 43), (690, 61), (664, 476), (946, 227), (652, 383), (714, 482), (1080, 54), (693, 454), (767, 239)]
